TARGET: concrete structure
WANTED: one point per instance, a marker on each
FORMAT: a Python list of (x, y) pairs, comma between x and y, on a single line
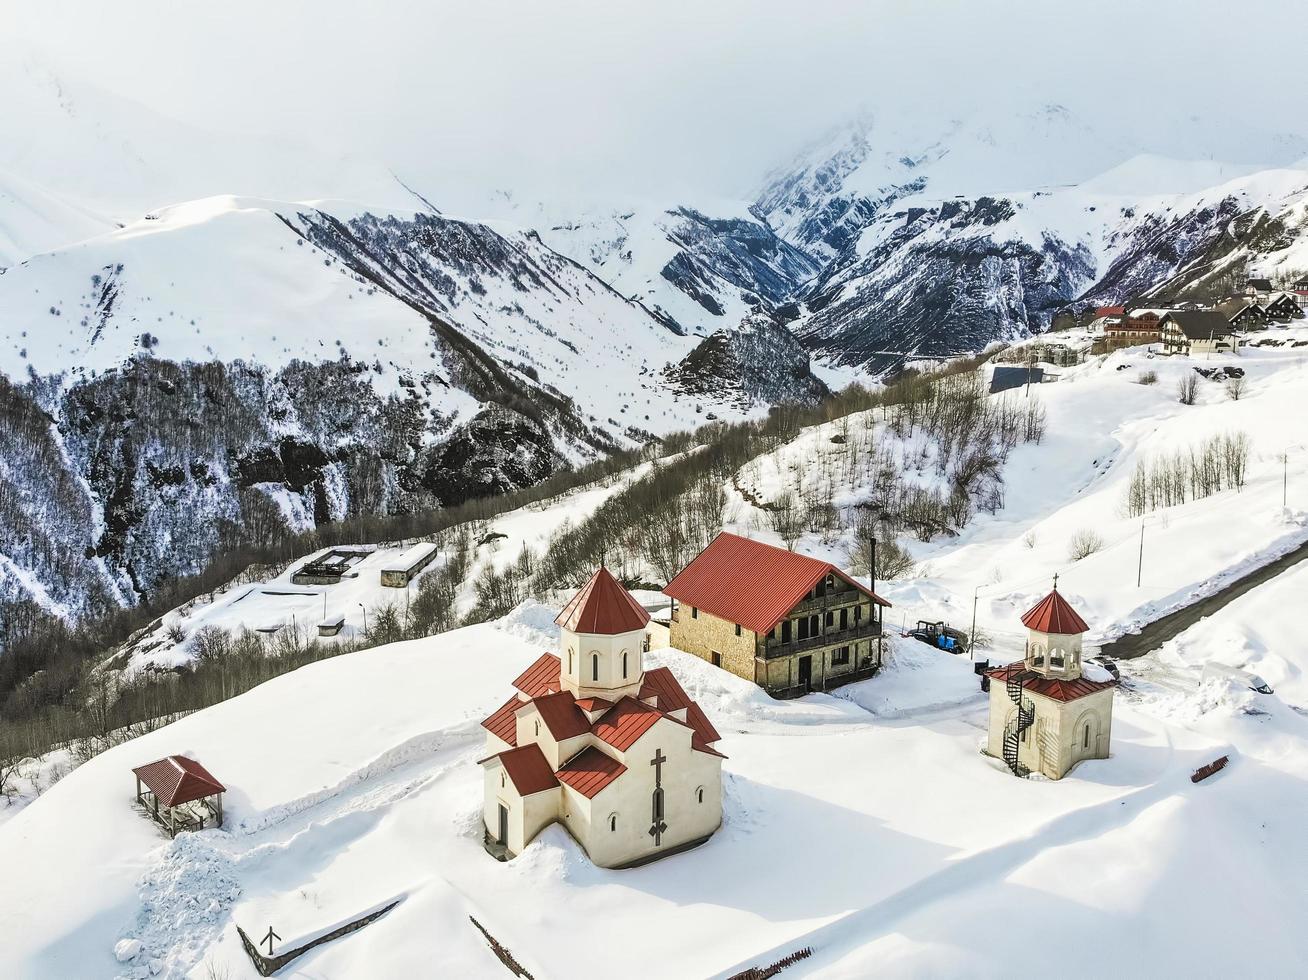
[(400, 572), (179, 794), (1045, 714), (616, 754), (331, 626), (790, 623)]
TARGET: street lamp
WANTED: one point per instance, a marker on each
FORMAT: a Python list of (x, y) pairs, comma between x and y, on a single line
[(365, 619), (971, 637)]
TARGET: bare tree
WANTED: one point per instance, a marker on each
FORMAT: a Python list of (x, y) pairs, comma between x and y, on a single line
[(1084, 543), (1234, 388), (1187, 389)]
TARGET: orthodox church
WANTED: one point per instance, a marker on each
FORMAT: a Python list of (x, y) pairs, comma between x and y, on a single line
[(617, 754), (1046, 715)]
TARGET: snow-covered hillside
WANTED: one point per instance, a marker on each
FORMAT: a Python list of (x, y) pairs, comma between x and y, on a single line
[(368, 791)]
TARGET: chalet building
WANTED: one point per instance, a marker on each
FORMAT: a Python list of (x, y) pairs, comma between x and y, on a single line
[(616, 754), (1299, 290), (1045, 714), (179, 794), (1282, 307), (1259, 289), (1198, 332), (787, 622), (1135, 327), (1242, 313)]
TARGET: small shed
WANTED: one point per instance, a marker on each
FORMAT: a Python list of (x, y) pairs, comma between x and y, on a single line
[(331, 626), (179, 794), (400, 572)]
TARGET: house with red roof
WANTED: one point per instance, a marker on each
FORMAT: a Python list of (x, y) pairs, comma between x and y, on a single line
[(590, 739), (1050, 711), (789, 623)]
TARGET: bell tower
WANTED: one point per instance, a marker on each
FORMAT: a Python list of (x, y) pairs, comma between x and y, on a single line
[(1054, 631), (602, 638)]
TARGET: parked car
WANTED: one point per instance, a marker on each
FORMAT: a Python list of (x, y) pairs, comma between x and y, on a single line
[(940, 636), (1223, 672), (1109, 664)]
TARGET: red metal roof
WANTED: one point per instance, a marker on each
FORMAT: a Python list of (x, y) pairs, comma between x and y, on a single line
[(590, 772), (1110, 310), (177, 780), (503, 724), (561, 715), (603, 606), (540, 678), (1052, 614), (699, 745), (528, 768), (662, 682), (626, 723), (593, 704), (1050, 687), (751, 583)]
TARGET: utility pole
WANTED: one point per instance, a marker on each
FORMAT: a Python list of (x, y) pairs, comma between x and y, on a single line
[(365, 619), (1285, 477), (1139, 568), (971, 637)]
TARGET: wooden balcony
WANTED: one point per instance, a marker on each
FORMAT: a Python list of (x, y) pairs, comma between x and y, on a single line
[(830, 637)]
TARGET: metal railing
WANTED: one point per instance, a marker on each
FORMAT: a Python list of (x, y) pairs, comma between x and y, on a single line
[(831, 637)]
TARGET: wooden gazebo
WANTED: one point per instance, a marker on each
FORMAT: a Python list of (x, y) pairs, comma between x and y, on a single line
[(180, 794)]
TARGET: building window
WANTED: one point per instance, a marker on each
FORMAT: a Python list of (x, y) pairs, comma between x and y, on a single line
[(840, 656), (503, 780), (737, 629), (569, 660), (594, 666), (1085, 743), (694, 613), (538, 729), (699, 795), (858, 615), (717, 658), (613, 823), (831, 619), (658, 804)]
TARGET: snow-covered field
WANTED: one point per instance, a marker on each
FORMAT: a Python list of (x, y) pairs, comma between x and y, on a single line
[(884, 840)]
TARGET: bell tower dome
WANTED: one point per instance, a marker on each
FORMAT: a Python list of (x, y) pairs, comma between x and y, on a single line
[(603, 639), (1053, 645)]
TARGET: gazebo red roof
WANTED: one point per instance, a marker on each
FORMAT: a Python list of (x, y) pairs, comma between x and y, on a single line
[(604, 607), (176, 780), (752, 583), (1052, 614)]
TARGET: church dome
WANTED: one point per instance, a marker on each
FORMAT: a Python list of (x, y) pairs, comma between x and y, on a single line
[(603, 607), (1053, 614)]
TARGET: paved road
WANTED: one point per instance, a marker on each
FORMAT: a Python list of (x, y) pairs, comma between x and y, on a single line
[(1158, 632)]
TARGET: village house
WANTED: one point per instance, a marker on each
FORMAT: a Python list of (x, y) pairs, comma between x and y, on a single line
[(1046, 715), (1243, 313), (616, 754), (1281, 308), (1198, 332), (1258, 288), (789, 623), (1299, 289)]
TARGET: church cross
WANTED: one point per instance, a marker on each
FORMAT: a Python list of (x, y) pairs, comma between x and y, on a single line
[(658, 828), (1055, 581)]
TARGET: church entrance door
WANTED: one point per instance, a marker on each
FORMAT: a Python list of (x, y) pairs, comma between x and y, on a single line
[(504, 824)]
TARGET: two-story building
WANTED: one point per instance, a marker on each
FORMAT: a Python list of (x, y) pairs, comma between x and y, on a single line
[(1198, 332), (790, 623)]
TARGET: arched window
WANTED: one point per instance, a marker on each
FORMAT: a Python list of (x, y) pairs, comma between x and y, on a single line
[(658, 804), (569, 660), (624, 664), (538, 728), (502, 780), (594, 666), (613, 823), (699, 795), (1085, 742)]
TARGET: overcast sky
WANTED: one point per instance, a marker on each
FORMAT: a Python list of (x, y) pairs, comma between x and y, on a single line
[(661, 97)]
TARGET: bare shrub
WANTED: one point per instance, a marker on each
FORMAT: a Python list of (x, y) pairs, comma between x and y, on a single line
[(1234, 388), (1147, 378), (1083, 544), (1187, 389), (1029, 539)]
